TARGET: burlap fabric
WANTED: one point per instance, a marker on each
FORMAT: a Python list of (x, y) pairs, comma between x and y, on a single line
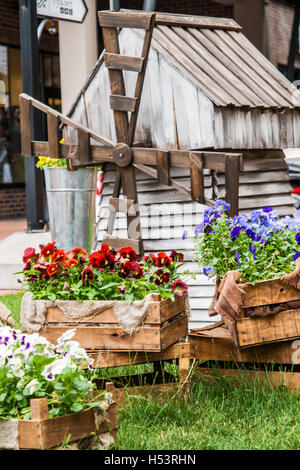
[(130, 317)]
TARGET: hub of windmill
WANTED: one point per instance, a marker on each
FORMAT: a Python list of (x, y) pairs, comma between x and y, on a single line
[(122, 155)]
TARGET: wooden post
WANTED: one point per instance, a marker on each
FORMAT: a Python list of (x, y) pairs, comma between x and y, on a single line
[(163, 167), (84, 152), (53, 134), (127, 174), (232, 171), (197, 178), (25, 124), (39, 409)]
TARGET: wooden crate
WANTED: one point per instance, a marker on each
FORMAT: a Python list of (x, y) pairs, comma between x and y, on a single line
[(158, 384), (281, 326), (275, 363), (42, 432), (166, 323)]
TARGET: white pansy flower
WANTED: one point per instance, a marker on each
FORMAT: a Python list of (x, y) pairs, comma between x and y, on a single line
[(56, 368), (66, 336), (31, 386), (15, 365)]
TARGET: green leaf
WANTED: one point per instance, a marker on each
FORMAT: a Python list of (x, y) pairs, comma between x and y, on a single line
[(76, 407)]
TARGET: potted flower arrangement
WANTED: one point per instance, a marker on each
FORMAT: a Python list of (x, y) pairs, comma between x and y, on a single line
[(254, 260), (134, 304), (43, 388), (71, 202)]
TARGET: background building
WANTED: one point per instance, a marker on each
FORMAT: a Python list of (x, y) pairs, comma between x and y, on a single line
[(64, 66)]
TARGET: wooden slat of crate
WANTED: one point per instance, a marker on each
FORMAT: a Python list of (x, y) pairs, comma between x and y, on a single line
[(148, 338), (269, 292), (216, 344), (160, 311), (290, 380), (279, 327), (52, 432), (103, 359), (156, 391)]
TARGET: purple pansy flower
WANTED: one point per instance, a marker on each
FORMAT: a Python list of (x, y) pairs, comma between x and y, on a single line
[(297, 238), (268, 209), (222, 206), (296, 255), (4, 340), (253, 250), (184, 234), (207, 270), (237, 257), (235, 233)]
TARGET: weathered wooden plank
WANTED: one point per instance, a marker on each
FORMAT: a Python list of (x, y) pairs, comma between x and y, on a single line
[(53, 122), (127, 174), (232, 170), (163, 167), (39, 409), (282, 326), (291, 380), (177, 329), (216, 344), (122, 205), (269, 292), (125, 19), (140, 79), (105, 359), (84, 152), (25, 124), (122, 103), (64, 119), (173, 19), (197, 179), (118, 243), (122, 62), (159, 312)]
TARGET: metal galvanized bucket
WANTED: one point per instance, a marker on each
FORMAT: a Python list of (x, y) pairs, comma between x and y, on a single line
[(71, 206)]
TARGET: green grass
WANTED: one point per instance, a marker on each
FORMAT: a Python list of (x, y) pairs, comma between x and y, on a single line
[(13, 302), (218, 416)]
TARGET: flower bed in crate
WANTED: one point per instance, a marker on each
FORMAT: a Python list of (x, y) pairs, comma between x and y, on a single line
[(256, 262), (115, 301), (46, 397)]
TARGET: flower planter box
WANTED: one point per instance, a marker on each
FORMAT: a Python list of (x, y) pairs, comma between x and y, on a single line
[(280, 326), (41, 432), (166, 323)]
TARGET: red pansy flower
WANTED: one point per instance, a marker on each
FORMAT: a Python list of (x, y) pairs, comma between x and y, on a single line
[(76, 252), (163, 259), (58, 255), (150, 259), (162, 277), (52, 269), (178, 287), (176, 256), (136, 271), (48, 250), (87, 275), (124, 269), (70, 263), (28, 254), (127, 253), (102, 260)]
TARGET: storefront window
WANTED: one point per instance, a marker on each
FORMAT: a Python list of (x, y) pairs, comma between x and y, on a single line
[(11, 162)]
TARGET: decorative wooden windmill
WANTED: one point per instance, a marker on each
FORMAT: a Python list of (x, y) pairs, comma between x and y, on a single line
[(127, 157)]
